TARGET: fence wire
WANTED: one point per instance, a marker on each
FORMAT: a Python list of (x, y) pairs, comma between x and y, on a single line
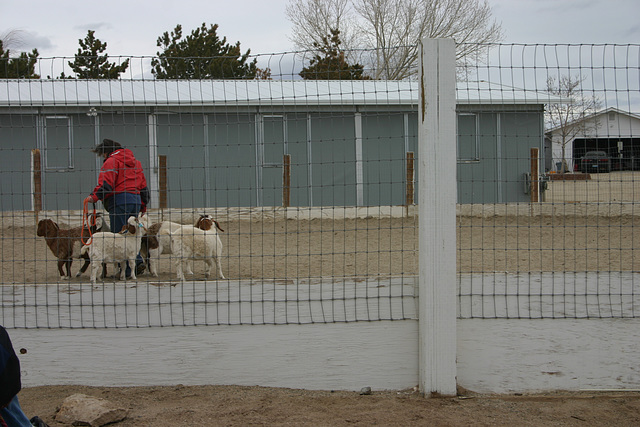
[(567, 247), (314, 183)]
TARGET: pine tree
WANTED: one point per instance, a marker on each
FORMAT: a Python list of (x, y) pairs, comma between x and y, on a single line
[(20, 67), (201, 55), (90, 63), (330, 63)]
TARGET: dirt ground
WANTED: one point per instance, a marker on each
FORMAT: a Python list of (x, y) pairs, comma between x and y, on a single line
[(285, 249), (254, 406)]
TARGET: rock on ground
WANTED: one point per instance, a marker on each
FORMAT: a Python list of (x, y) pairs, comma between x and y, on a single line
[(80, 409)]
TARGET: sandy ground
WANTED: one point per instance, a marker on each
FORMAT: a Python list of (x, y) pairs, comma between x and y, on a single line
[(285, 249), (245, 406)]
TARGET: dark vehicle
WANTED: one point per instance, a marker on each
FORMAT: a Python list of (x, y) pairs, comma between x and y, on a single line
[(595, 161)]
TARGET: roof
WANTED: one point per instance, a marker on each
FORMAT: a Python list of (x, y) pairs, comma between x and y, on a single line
[(71, 92)]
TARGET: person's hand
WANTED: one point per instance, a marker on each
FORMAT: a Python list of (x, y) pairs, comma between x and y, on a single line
[(88, 200), (143, 208)]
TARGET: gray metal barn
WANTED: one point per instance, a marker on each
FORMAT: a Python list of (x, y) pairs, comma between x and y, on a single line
[(224, 141)]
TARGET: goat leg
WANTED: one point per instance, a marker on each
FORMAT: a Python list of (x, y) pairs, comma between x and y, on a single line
[(61, 263), (68, 263), (179, 272), (86, 264), (219, 265)]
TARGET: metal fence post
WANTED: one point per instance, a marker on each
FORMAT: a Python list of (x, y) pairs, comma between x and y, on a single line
[(437, 218)]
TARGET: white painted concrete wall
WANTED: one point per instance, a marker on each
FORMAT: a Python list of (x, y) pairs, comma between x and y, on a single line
[(348, 356), (552, 354), (492, 356)]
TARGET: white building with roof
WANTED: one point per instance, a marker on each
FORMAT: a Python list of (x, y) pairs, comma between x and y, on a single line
[(611, 130)]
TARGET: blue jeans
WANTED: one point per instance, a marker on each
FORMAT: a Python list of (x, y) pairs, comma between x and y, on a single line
[(13, 415), (120, 209)]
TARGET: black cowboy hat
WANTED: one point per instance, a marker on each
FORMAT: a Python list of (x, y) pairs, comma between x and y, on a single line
[(107, 146)]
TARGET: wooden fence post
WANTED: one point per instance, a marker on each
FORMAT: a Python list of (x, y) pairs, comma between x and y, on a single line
[(410, 180), (535, 180), (437, 218), (36, 168), (162, 184), (286, 181)]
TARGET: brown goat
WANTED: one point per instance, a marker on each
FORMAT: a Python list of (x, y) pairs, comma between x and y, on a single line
[(66, 244)]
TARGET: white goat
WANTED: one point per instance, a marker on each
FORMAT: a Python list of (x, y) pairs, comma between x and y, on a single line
[(158, 240), (116, 247), (188, 242)]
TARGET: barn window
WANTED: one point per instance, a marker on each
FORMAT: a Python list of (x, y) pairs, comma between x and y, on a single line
[(467, 137), (58, 142)]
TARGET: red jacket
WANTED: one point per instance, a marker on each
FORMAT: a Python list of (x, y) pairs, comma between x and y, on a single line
[(121, 172)]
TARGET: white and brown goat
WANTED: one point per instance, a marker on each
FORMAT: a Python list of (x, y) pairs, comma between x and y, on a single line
[(188, 242), (66, 244), (117, 247), (158, 240)]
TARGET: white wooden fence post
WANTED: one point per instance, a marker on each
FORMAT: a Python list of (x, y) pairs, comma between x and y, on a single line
[(437, 218)]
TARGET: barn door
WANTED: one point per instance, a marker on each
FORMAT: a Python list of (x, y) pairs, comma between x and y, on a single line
[(271, 149)]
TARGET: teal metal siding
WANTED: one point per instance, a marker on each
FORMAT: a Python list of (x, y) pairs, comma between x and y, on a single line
[(520, 133), (298, 145), (504, 143), (478, 179), (384, 159), (181, 137), (232, 159), (17, 138), (333, 159), (69, 165)]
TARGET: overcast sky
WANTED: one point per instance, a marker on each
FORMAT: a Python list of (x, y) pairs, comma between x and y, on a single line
[(131, 27)]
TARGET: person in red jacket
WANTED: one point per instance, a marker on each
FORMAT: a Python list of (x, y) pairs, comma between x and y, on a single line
[(122, 187)]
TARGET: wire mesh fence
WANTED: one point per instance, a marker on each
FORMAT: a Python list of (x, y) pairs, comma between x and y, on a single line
[(314, 183), (570, 252)]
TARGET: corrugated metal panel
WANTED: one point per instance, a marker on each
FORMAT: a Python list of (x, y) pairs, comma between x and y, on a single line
[(34, 93), (204, 92)]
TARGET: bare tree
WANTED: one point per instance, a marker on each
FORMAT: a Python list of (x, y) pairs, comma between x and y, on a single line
[(392, 29), (12, 39), (313, 19), (16, 66), (573, 118)]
